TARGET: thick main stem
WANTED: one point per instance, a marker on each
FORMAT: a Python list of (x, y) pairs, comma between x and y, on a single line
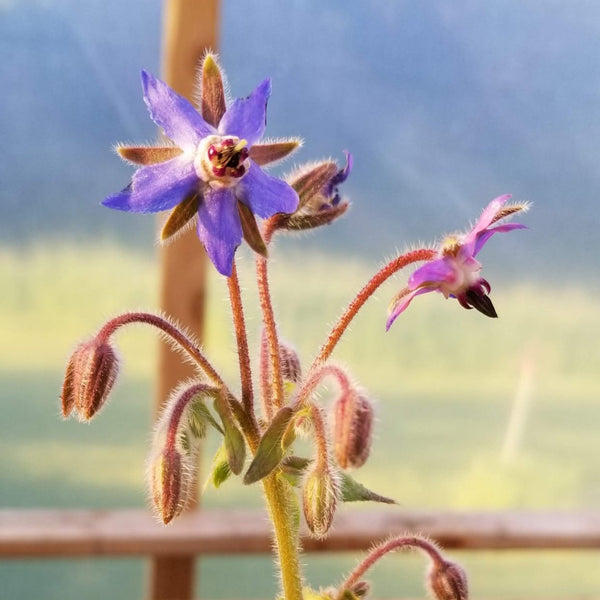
[(237, 309), (274, 391), (283, 516)]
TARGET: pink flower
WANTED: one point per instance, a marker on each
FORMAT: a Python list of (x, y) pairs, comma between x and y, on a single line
[(455, 272)]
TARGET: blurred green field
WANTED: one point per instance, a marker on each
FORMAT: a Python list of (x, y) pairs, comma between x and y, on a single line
[(445, 381)]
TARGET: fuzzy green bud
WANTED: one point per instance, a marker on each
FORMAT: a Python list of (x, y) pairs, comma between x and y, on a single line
[(319, 500), (352, 429), (90, 375), (448, 581)]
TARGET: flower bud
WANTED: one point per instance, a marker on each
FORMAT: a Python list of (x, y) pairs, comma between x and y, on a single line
[(352, 426), (171, 482), (448, 581), (90, 375), (290, 363), (317, 188), (319, 500)]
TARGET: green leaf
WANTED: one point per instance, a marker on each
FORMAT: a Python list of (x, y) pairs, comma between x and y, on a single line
[(234, 441), (270, 448), (352, 491), (220, 468)]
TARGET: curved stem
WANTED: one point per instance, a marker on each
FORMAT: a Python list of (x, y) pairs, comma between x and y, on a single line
[(183, 341), (274, 392), (380, 277), (315, 379), (380, 551), (237, 310), (179, 407)]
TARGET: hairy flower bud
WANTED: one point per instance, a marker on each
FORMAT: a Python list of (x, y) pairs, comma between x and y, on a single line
[(352, 426), (448, 581), (319, 500), (291, 369), (320, 201), (90, 375), (171, 478)]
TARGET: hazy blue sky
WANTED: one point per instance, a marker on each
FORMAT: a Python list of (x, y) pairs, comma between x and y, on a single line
[(444, 105)]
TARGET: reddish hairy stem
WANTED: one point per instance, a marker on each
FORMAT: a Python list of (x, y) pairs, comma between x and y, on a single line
[(315, 379), (380, 277), (380, 551), (274, 392), (183, 342), (320, 436), (237, 309), (179, 407)]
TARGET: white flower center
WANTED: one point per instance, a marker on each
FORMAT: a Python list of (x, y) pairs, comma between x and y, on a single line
[(221, 161)]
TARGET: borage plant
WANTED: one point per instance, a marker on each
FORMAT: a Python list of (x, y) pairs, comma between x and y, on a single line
[(210, 173)]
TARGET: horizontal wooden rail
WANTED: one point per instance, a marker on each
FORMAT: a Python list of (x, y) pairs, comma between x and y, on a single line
[(78, 533)]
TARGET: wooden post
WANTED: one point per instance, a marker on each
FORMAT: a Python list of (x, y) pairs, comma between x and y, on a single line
[(190, 28)]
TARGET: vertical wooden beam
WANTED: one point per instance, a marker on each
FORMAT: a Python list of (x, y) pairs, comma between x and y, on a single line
[(190, 28)]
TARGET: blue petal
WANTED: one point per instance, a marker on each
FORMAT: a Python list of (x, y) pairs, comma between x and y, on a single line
[(180, 121), (219, 228), (246, 118), (156, 187), (266, 195)]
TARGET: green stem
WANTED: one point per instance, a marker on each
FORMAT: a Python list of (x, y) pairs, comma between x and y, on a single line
[(283, 516)]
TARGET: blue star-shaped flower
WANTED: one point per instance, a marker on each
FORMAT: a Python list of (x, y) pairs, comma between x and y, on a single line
[(212, 170)]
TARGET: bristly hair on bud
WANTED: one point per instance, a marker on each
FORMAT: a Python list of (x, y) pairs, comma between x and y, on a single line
[(320, 493), (320, 202), (352, 428), (171, 476), (447, 581), (291, 369), (89, 378)]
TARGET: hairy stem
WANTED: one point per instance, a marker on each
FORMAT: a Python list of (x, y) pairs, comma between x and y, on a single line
[(283, 516), (183, 342), (274, 392), (381, 550), (320, 436), (180, 406), (380, 277), (237, 310)]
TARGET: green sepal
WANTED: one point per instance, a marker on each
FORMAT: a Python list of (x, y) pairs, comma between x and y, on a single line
[(221, 470), (352, 491), (235, 445), (270, 450), (199, 416)]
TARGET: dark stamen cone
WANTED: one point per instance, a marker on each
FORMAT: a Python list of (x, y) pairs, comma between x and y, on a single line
[(180, 216), (352, 427), (448, 581), (480, 301), (148, 155), (212, 102)]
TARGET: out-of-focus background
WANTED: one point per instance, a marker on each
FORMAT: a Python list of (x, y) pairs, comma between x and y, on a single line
[(444, 106)]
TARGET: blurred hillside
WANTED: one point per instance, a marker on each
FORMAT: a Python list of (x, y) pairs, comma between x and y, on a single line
[(443, 105)]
